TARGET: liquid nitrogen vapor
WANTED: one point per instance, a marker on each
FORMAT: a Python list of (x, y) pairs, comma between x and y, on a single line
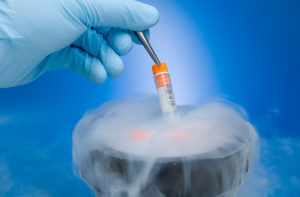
[(124, 148)]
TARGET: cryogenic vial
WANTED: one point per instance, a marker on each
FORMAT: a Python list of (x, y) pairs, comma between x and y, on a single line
[(165, 92)]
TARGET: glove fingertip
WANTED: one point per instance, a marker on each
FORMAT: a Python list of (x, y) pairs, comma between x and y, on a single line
[(115, 67), (97, 73), (145, 16), (121, 42), (153, 16)]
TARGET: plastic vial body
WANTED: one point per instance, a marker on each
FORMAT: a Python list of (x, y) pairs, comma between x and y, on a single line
[(165, 93)]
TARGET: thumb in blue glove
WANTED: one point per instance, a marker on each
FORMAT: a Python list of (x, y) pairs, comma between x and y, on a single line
[(87, 36)]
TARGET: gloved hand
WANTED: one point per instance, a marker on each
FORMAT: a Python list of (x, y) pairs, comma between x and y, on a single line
[(87, 36)]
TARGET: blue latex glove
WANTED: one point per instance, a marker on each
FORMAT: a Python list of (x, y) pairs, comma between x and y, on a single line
[(87, 36)]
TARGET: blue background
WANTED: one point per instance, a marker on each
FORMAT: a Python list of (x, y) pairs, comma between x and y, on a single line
[(247, 52)]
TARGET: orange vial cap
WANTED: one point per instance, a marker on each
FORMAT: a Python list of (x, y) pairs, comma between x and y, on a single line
[(159, 69)]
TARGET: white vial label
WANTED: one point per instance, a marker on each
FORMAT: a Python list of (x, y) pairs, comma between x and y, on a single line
[(166, 98)]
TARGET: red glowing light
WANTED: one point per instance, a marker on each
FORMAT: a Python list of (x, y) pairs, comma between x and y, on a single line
[(140, 134)]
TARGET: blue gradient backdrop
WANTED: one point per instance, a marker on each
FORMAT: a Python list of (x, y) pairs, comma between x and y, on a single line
[(245, 51)]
